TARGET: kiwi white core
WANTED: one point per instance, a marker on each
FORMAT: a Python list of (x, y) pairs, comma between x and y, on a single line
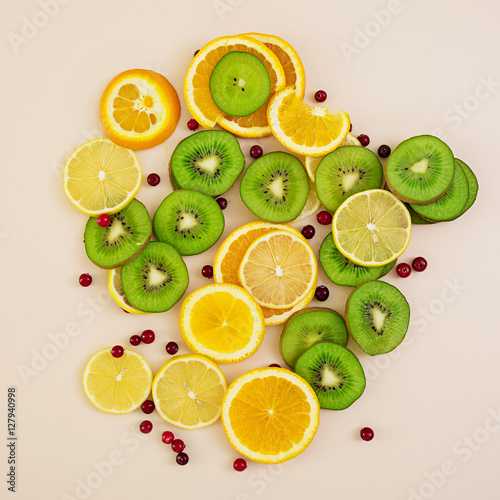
[(276, 187), (155, 278), (187, 221), (420, 167), (378, 318), (115, 230), (209, 163), (329, 378), (349, 180)]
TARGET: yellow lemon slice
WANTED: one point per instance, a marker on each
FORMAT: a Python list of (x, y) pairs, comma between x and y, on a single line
[(116, 291)]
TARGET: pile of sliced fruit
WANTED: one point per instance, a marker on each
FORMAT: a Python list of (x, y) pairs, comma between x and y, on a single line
[(265, 273)]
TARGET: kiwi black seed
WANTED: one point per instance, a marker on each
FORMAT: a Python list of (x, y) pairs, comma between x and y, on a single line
[(377, 317), (275, 187), (209, 161), (420, 170), (342, 271), (189, 220), (240, 84), (126, 235), (309, 326), (334, 373), (156, 279), (344, 172)]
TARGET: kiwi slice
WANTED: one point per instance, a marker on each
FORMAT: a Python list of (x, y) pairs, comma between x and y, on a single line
[(334, 373), (189, 220), (240, 84), (309, 326), (415, 217), (126, 235), (173, 181), (342, 271), (388, 267), (473, 185), (208, 161), (275, 187), (377, 316), (346, 171), (156, 279), (420, 170), (451, 204)]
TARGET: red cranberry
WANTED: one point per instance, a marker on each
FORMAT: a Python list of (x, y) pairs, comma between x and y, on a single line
[(207, 271), (153, 179), (322, 293), (172, 348), (85, 279), (182, 458), (125, 311), (366, 434), (178, 445), (256, 151), (146, 426), (419, 264), (240, 464), (222, 203), (148, 407), (364, 140), (274, 365), (135, 339), (320, 96), (148, 336), (324, 218), (384, 151), (308, 232), (103, 220), (196, 52), (117, 351), (193, 124), (350, 127), (167, 437), (403, 270)]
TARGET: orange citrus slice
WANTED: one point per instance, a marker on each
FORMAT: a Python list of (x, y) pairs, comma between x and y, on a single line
[(270, 415), (139, 109)]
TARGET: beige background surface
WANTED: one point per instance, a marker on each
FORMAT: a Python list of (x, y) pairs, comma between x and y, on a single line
[(400, 68)]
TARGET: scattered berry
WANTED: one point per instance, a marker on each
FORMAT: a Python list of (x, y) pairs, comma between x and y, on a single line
[(196, 52), (324, 218), (178, 445), (366, 434), (153, 179), (148, 407), (148, 336), (322, 293), (364, 140), (172, 348), (182, 458), (222, 203), (117, 351), (256, 151), (125, 311), (274, 365), (207, 271), (240, 464), (403, 270), (146, 426), (350, 127), (135, 339), (308, 232), (384, 151), (419, 264), (320, 96), (85, 279), (193, 124), (167, 437), (103, 220)]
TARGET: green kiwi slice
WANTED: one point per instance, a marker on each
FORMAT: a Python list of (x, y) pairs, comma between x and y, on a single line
[(415, 217), (173, 181), (309, 326), (345, 171), (240, 84), (209, 161), (275, 187), (377, 316), (473, 185), (156, 279), (342, 271), (420, 170), (189, 220), (126, 235), (451, 204), (334, 373), (388, 267)]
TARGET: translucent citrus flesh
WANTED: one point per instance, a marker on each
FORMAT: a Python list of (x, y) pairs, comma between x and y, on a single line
[(116, 291)]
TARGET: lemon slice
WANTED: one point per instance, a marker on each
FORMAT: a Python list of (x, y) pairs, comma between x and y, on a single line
[(116, 291), (312, 203), (188, 391), (279, 269), (101, 177), (223, 322), (270, 415), (372, 228), (304, 129), (117, 385)]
